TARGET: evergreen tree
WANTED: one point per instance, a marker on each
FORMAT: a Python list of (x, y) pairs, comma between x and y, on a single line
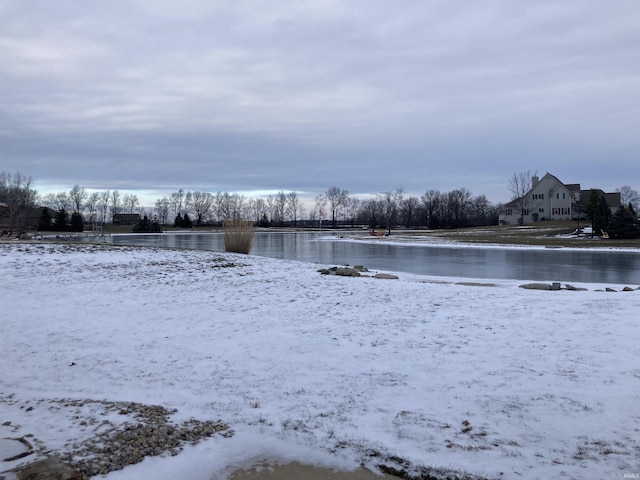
[(264, 221), (602, 215), (44, 223), (186, 221), (77, 223), (62, 220), (178, 221), (623, 224), (598, 212), (147, 226), (142, 226)]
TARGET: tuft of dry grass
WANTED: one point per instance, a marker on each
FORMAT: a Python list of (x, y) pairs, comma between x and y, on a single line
[(238, 236)]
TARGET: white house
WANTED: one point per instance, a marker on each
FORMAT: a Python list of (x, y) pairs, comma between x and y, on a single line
[(550, 199)]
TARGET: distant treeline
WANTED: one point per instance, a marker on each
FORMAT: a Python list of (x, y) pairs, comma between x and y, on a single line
[(334, 208)]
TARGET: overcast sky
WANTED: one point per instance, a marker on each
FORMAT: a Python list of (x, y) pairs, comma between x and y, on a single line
[(239, 96)]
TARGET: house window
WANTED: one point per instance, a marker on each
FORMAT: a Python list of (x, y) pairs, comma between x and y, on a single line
[(509, 212), (541, 210), (525, 211), (563, 194)]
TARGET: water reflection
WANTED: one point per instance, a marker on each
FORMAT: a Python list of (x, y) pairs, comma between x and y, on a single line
[(508, 263)]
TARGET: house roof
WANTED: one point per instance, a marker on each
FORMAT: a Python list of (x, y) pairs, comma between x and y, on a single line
[(613, 199)]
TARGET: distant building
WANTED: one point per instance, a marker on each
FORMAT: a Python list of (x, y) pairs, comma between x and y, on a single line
[(550, 199), (126, 219)]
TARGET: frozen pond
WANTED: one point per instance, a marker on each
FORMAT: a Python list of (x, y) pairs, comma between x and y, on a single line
[(553, 264)]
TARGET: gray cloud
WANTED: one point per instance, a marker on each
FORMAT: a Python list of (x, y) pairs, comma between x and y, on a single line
[(369, 96)]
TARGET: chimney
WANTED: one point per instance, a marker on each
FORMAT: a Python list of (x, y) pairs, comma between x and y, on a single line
[(534, 181)]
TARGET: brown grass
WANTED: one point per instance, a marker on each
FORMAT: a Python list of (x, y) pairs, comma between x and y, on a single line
[(238, 236), (549, 234)]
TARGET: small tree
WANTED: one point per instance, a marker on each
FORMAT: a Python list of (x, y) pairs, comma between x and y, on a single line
[(337, 199), (623, 224), (44, 223), (62, 220), (77, 223), (18, 196), (519, 186), (598, 211), (264, 221), (147, 226)]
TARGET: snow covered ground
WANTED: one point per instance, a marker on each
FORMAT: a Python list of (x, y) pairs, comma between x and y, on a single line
[(496, 381)]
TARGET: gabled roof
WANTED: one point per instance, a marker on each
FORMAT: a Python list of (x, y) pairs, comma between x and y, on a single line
[(613, 199)]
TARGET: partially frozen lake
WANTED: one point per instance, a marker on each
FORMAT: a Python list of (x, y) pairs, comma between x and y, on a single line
[(448, 260)]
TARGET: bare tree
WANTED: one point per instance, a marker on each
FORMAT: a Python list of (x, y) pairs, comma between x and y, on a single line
[(103, 206), (337, 199), (319, 204), (279, 208), (258, 210), (371, 212), (519, 186), (130, 202), (77, 196), (18, 198), (294, 207), (202, 204), (431, 201), (628, 196), (390, 202), (457, 207), (240, 210), (115, 203), (62, 201), (408, 209), (49, 201), (351, 210), (91, 206), (177, 201), (480, 210), (163, 206)]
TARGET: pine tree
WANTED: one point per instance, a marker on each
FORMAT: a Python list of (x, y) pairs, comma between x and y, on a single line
[(602, 215), (623, 224), (264, 221), (186, 221), (77, 223), (62, 220), (44, 223), (598, 211), (178, 221)]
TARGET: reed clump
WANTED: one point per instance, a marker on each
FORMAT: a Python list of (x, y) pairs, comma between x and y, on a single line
[(238, 236)]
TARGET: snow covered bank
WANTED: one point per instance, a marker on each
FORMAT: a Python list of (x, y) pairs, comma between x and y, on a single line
[(497, 381)]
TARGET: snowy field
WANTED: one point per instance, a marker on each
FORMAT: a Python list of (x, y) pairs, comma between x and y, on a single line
[(496, 381)]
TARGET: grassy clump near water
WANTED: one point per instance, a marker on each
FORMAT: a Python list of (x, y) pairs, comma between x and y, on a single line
[(238, 236)]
